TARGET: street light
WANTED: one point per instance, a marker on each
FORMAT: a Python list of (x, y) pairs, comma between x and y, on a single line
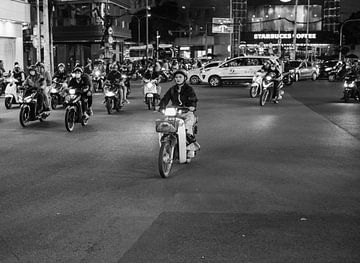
[(295, 28)]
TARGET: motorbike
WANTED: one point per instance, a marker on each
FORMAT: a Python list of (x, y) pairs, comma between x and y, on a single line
[(173, 142), (74, 111), (97, 79), (57, 94), (112, 100), (289, 78), (337, 74), (12, 93), (126, 79), (268, 91), (350, 88), (31, 109), (151, 93), (256, 85), (166, 75)]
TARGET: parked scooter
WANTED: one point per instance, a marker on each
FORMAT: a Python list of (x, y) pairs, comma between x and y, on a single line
[(289, 78), (12, 93), (57, 93), (350, 88), (31, 109), (268, 92), (113, 97), (74, 111), (337, 74), (173, 142), (152, 96)]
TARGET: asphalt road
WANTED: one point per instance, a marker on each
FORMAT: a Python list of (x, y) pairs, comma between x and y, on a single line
[(278, 183)]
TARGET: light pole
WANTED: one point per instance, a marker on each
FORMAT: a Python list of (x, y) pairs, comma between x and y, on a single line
[(307, 29), (341, 30), (139, 20), (293, 53), (147, 29)]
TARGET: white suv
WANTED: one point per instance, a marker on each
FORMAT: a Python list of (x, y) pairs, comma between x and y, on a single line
[(236, 69)]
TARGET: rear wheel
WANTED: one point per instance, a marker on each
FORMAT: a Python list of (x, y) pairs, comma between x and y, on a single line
[(214, 81), (165, 160), (70, 119), (254, 91), (194, 80), (84, 121), (148, 102), (264, 97), (8, 102), (24, 115), (346, 97)]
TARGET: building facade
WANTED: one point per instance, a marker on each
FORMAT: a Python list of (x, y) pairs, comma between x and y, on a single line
[(14, 17), (269, 25)]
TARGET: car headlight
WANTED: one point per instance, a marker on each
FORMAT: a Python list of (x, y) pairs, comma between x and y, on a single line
[(170, 112), (328, 69)]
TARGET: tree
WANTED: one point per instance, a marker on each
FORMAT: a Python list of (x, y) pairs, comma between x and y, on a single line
[(351, 30)]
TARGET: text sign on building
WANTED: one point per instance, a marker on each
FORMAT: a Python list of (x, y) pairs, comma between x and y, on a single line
[(284, 36), (222, 25)]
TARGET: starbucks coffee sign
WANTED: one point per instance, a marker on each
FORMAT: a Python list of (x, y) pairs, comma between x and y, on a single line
[(284, 36)]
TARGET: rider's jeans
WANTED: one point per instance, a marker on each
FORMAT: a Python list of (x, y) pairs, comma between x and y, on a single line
[(190, 120), (45, 92)]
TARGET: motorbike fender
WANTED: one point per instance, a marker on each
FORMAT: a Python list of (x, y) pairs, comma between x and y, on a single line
[(182, 141)]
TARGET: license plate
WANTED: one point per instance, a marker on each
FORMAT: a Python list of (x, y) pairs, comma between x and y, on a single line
[(150, 95)]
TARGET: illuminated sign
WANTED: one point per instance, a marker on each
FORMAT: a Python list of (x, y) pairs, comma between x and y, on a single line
[(285, 36), (222, 25)]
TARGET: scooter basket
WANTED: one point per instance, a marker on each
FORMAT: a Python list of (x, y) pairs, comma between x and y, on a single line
[(166, 126)]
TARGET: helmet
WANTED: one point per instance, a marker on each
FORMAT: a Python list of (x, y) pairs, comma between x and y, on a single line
[(77, 69), (39, 64), (32, 68), (61, 65), (182, 72)]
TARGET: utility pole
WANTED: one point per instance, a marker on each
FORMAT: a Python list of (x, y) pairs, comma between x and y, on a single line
[(38, 48), (230, 9), (147, 29), (47, 60), (295, 30), (307, 29)]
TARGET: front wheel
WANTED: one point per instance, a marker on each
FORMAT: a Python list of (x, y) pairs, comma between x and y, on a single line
[(331, 77), (148, 102), (194, 80), (109, 105), (314, 76), (214, 81), (165, 161), (24, 115), (346, 96), (264, 97), (254, 91), (70, 119), (8, 102), (54, 102)]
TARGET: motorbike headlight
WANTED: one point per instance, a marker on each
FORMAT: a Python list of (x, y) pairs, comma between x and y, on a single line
[(97, 73), (72, 91), (109, 94), (268, 78), (123, 76), (327, 69), (53, 90), (352, 84), (170, 112)]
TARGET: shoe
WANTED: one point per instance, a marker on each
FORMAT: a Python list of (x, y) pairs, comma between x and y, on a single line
[(90, 112), (86, 115), (276, 101), (126, 101)]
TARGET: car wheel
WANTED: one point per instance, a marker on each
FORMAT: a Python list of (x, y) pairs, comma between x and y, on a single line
[(297, 77), (214, 81), (194, 80), (314, 76)]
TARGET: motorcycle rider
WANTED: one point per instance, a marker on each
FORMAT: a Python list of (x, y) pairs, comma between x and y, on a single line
[(61, 74), (18, 74), (36, 80), (47, 77), (269, 67), (150, 75), (182, 95), (115, 79), (81, 82)]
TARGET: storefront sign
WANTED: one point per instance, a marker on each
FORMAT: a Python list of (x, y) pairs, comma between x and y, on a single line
[(285, 36), (222, 25)]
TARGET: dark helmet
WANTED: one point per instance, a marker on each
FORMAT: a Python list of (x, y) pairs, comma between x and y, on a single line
[(39, 64), (32, 68), (61, 65), (182, 72), (77, 69)]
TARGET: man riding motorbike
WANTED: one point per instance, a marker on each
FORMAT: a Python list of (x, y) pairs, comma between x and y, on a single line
[(18, 74), (81, 82), (269, 67), (36, 80), (150, 75), (115, 78), (47, 78), (61, 74), (182, 95)]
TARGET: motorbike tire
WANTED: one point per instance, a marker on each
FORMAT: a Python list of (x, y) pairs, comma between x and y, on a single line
[(253, 91), (69, 119), (148, 102), (346, 97), (84, 121), (165, 160), (24, 115), (154, 103), (264, 97), (54, 102), (108, 105), (331, 78), (314, 76), (8, 102)]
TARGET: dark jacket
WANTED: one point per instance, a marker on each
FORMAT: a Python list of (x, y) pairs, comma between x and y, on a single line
[(187, 97), (114, 76), (151, 75), (35, 81), (60, 76), (84, 83)]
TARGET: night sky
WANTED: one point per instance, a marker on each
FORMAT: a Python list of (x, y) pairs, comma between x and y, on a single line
[(349, 6)]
